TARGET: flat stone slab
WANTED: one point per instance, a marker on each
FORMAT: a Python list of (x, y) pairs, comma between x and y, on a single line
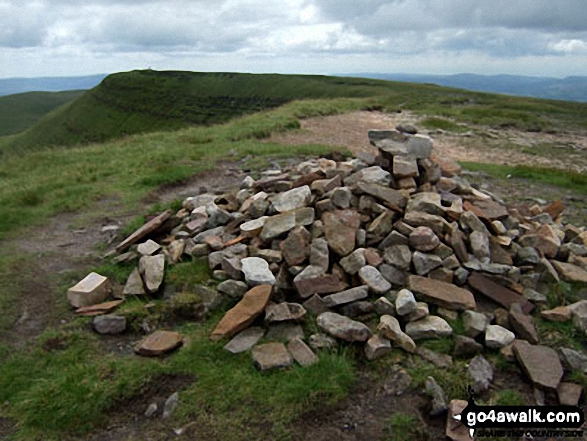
[(486, 209), (393, 198), (159, 343), (397, 143), (540, 363), (271, 356), (343, 327), (440, 293), (244, 312), (146, 229), (569, 272), (348, 296), (109, 324), (429, 327), (293, 199), (91, 290), (245, 340), (99, 309), (498, 293), (284, 222), (284, 311), (340, 229), (301, 352)]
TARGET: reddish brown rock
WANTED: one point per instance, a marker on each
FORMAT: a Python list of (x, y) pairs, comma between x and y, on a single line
[(423, 239), (455, 430), (558, 314), (499, 294), (146, 229), (442, 294), (159, 343), (569, 394), (372, 257), (244, 312), (322, 284), (522, 324), (554, 209), (340, 228), (569, 272), (296, 248), (448, 167), (486, 209), (540, 363), (271, 356), (99, 309)]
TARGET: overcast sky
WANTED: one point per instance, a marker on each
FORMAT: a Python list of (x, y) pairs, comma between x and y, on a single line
[(78, 37)]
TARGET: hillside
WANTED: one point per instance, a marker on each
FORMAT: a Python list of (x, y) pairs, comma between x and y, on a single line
[(569, 88), (21, 111), (148, 101)]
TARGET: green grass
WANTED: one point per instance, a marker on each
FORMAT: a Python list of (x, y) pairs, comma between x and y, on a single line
[(508, 397), (23, 110), (550, 176), (405, 427), (53, 393), (186, 274), (443, 124)]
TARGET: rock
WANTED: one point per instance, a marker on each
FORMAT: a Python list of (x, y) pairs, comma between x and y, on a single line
[(396, 143), (423, 239), (377, 347), (437, 359), (348, 296), (487, 209), (497, 337), (296, 248), (293, 199), (315, 305), (245, 340), (134, 285), (282, 223), (91, 290), (474, 323), (257, 272), (371, 277), (343, 327), (382, 225), (527, 256), (389, 328), (373, 257), (569, 394), (447, 314), (152, 270), (498, 293), (574, 360), (151, 410), (146, 229), (424, 263), (540, 363), (393, 275), (341, 197), (394, 199), (481, 372), (406, 128), (148, 248), (312, 280), (233, 288), (383, 306), (253, 227), (522, 324), (466, 346), (558, 314), (428, 327), (352, 263), (405, 303), (270, 256), (319, 255), (280, 312), (480, 246), (455, 430), (322, 186), (301, 352), (98, 309), (435, 392), (284, 331), (426, 202), (547, 272), (109, 324), (579, 314), (357, 309), (405, 167), (441, 293), (271, 356), (320, 342), (340, 229), (399, 256), (570, 273), (373, 174), (243, 313), (420, 219), (159, 343)]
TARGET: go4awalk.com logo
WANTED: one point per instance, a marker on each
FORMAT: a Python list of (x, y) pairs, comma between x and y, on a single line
[(515, 421)]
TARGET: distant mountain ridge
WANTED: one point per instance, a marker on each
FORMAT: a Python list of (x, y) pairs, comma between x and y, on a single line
[(10, 86), (573, 88)]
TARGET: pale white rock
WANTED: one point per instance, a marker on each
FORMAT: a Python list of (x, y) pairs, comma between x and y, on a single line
[(405, 303), (496, 337), (429, 327), (293, 199), (371, 277), (257, 272), (91, 290), (152, 269)]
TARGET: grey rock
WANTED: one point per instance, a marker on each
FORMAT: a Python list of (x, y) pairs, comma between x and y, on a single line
[(319, 254), (170, 405), (390, 328), (481, 372), (474, 322), (151, 410), (383, 306), (377, 347), (480, 246), (341, 197), (357, 309), (399, 256), (460, 276), (437, 359), (373, 174), (315, 305), (293, 199), (257, 272), (424, 263), (429, 327), (394, 276), (527, 256), (466, 346), (348, 296), (245, 340), (233, 288), (152, 269), (371, 277), (574, 360), (271, 356), (352, 263), (426, 202), (423, 239), (285, 311), (301, 352), (238, 251), (343, 327), (419, 313), (496, 337), (284, 331), (437, 395), (282, 223), (109, 324), (148, 248), (134, 285), (396, 143), (320, 342), (405, 303)]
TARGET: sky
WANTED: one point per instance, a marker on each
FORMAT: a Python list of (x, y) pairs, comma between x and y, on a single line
[(73, 37)]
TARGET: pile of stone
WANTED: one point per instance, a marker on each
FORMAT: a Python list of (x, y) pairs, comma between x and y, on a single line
[(383, 250)]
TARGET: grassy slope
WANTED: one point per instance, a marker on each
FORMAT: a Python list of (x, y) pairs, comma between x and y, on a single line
[(21, 111), (148, 101)]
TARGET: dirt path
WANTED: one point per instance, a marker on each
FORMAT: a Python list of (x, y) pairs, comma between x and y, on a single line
[(510, 147)]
